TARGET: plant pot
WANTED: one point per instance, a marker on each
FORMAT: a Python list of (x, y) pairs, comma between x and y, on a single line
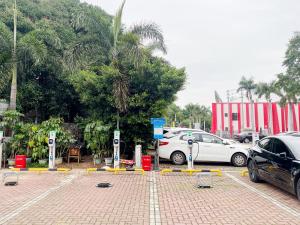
[(58, 161), (108, 161), (42, 161), (11, 162), (97, 161), (28, 160)]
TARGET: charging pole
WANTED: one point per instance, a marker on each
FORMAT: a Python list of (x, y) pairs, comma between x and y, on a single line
[(190, 143), (116, 149), (51, 143), (1, 148)]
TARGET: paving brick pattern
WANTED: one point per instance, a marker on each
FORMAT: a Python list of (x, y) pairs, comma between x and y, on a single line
[(81, 202), (226, 203), (12, 197), (128, 202)]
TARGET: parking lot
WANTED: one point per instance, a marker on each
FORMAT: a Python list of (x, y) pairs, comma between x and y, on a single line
[(73, 198)]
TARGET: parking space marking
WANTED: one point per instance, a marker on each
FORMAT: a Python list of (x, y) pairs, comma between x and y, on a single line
[(33, 201), (154, 204), (272, 200)]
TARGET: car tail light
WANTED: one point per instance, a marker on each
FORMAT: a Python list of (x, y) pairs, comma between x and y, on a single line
[(162, 143)]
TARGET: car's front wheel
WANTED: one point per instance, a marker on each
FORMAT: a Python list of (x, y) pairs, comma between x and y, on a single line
[(253, 172), (239, 159), (178, 158)]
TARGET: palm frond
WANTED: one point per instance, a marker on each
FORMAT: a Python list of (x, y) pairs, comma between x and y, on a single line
[(150, 31), (117, 23)]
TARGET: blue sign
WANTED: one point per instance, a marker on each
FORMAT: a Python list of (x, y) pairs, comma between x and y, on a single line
[(158, 124)]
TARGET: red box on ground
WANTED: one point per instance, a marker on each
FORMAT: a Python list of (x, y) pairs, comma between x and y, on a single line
[(20, 161), (146, 162)]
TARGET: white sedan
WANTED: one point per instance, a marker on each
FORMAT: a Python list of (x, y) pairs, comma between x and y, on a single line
[(207, 147)]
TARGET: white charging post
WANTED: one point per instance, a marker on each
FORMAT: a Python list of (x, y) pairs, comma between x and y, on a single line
[(190, 142), (116, 149), (138, 156), (1, 147), (51, 143)]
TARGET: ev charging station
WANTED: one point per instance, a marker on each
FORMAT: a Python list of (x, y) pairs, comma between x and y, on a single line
[(51, 144), (190, 143), (1, 147), (116, 143)]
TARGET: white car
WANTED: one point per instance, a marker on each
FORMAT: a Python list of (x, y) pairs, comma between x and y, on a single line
[(207, 147)]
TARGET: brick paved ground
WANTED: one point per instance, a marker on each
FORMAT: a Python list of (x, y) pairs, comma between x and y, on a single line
[(226, 203), (78, 201)]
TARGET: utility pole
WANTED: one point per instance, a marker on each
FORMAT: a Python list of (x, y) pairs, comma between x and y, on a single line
[(13, 91), (228, 116), (242, 111)]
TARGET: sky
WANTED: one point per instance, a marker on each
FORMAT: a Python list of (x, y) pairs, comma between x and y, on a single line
[(217, 41)]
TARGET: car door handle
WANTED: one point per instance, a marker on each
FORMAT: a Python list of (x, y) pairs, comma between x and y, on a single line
[(206, 146)]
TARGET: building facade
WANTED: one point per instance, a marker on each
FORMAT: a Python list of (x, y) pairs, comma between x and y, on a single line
[(269, 118)]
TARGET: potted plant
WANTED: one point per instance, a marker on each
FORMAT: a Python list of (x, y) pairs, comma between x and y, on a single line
[(107, 154), (96, 135), (38, 143)]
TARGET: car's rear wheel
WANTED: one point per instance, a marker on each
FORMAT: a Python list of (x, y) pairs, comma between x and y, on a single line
[(239, 159), (246, 140), (253, 175), (178, 158), (298, 189)]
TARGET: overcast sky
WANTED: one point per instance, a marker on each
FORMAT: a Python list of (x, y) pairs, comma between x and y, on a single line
[(218, 41)]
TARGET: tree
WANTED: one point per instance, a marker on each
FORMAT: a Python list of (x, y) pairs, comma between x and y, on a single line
[(248, 86), (287, 85), (131, 46), (265, 90), (13, 91)]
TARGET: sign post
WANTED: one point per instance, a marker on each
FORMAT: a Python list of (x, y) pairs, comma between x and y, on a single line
[(51, 143), (116, 149), (158, 124), (1, 147)]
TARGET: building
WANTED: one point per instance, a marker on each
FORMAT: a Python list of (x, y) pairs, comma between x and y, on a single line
[(240, 118)]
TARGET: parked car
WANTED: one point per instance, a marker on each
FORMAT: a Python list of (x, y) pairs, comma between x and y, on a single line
[(207, 147), (276, 160), (246, 137), (172, 132)]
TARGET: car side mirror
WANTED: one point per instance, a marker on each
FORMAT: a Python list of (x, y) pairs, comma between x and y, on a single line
[(282, 155)]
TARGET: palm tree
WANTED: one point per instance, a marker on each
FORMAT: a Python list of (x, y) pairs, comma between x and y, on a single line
[(13, 91), (287, 91), (129, 44), (249, 86), (266, 89)]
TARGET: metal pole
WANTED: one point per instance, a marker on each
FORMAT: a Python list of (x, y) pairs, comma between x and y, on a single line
[(228, 116), (242, 115), (156, 158)]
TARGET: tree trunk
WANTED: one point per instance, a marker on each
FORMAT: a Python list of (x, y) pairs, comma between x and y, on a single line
[(290, 117), (13, 91)]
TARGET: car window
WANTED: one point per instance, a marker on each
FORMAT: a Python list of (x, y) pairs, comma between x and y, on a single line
[(265, 144), (280, 147), (206, 138), (197, 137)]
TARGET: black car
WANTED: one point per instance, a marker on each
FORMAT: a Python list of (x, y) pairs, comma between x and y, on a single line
[(245, 137), (276, 159)]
